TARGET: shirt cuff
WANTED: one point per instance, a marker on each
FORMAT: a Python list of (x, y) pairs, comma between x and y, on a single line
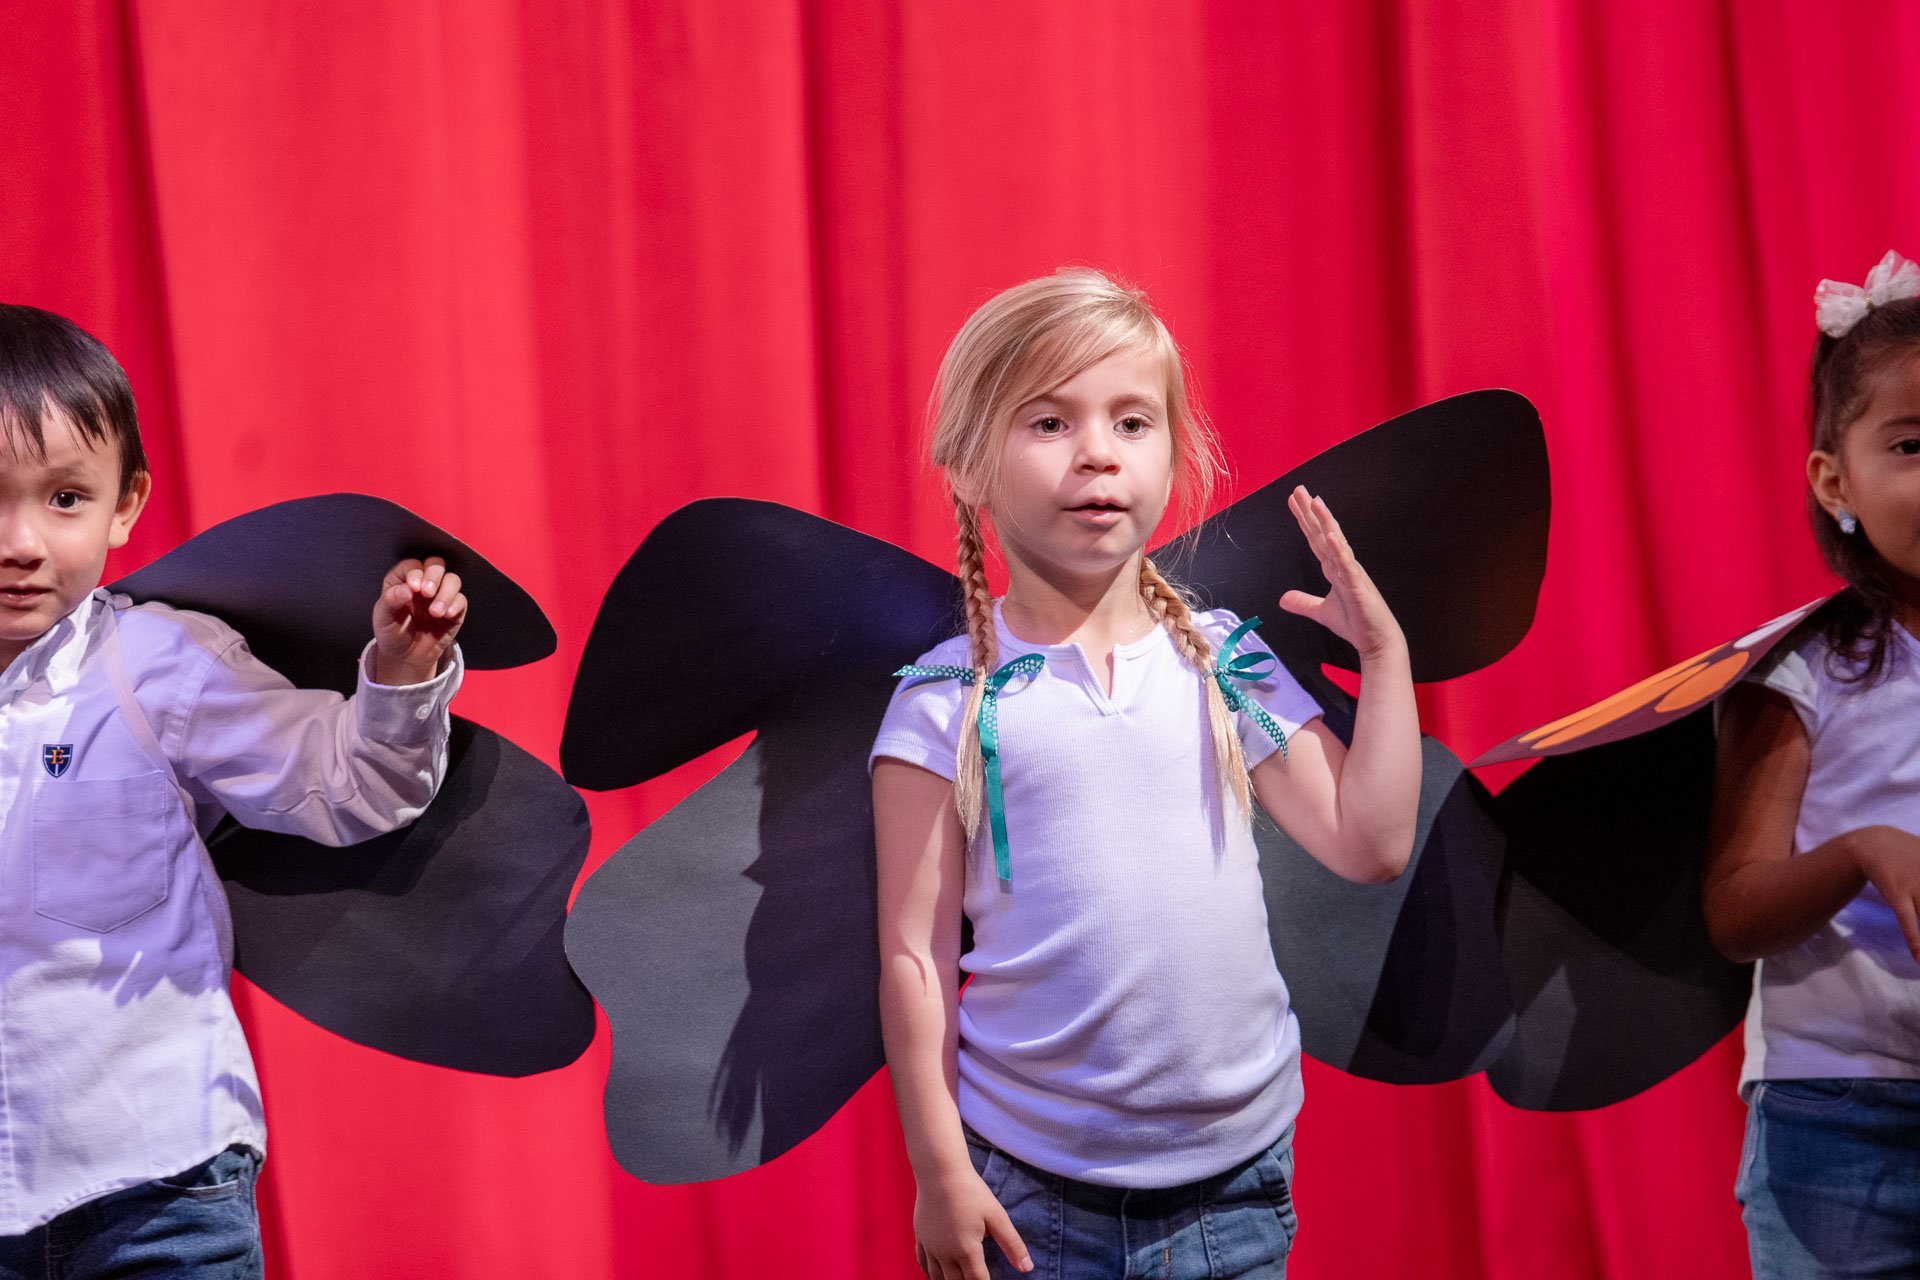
[(405, 714)]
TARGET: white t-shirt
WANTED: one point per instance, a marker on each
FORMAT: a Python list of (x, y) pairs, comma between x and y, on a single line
[(1125, 1023), (1845, 1002)]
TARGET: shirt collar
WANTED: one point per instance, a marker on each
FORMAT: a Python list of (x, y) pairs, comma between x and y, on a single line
[(56, 654), (1012, 645)]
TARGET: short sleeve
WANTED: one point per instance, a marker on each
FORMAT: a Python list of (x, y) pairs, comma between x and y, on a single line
[(1278, 692), (1789, 672), (922, 723)]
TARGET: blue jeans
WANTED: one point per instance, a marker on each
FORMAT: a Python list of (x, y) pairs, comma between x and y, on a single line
[(1239, 1223), (199, 1224), (1830, 1179)]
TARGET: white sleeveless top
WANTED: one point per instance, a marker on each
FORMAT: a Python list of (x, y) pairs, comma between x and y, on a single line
[(1845, 1002)]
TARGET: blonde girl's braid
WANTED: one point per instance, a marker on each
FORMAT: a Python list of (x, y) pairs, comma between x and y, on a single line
[(1169, 608), (969, 770)]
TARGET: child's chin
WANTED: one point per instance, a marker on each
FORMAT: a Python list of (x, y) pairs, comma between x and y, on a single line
[(25, 624), (1106, 558), (15, 638)]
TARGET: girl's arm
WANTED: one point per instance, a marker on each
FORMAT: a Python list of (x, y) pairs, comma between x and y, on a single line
[(1758, 897), (922, 874), (1354, 809)]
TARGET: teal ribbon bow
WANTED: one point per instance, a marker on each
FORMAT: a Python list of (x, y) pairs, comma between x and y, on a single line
[(1028, 664), (1250, 668)]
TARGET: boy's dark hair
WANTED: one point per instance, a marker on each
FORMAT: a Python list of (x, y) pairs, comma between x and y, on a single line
[(47, 359), (1859, 622)]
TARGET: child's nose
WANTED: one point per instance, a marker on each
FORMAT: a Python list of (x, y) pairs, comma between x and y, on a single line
[(20, 541), (1097, 452)]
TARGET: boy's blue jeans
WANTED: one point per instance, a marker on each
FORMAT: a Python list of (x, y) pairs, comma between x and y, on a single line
[(199, 1224), (1239, 1223), (1830, 1179)]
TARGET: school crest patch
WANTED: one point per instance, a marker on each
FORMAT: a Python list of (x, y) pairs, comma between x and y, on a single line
[(57, 757)]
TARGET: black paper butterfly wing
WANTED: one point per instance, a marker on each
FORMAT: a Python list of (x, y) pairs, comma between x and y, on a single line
[(441, 942), (732, 943), (1616, 983), (1447, 507)]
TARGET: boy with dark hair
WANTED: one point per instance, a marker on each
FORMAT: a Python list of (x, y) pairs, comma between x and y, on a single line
[(131, 1128)]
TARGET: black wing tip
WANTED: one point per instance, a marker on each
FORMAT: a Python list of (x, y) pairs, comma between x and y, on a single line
[(590, 772), (526, 634)]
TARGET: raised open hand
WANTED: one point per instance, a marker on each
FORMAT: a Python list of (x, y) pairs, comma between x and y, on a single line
[(1353, 608)]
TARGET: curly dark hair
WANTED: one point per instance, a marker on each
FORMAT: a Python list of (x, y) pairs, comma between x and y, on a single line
[(1859, 623)]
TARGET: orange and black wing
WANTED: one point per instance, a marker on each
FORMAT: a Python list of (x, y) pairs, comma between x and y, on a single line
[(1616, 985), (1677, 692)]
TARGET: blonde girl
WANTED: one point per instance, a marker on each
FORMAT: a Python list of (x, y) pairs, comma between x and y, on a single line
[(1074, 775)]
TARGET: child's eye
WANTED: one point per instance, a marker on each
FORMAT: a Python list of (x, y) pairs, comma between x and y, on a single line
[(1133, 425), (67, 500), (1049, 426), (1910, 446)]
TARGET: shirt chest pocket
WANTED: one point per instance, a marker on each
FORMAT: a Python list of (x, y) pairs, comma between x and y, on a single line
[(102, 853)]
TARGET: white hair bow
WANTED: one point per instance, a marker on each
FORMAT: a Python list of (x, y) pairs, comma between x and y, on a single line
[(1838, 307)]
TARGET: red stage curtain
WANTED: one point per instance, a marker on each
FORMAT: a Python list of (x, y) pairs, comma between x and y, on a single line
[(544, 272)]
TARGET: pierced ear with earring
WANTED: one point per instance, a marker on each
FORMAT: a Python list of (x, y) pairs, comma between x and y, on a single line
[(1845, 519)]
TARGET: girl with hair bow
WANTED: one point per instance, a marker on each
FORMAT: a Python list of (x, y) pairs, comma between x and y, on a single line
[(1814, 859)]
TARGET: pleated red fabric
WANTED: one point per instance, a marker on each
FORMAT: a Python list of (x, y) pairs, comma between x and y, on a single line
[(544, 272)]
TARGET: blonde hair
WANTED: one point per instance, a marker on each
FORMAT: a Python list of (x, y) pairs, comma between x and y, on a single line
[(1021, 344)]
